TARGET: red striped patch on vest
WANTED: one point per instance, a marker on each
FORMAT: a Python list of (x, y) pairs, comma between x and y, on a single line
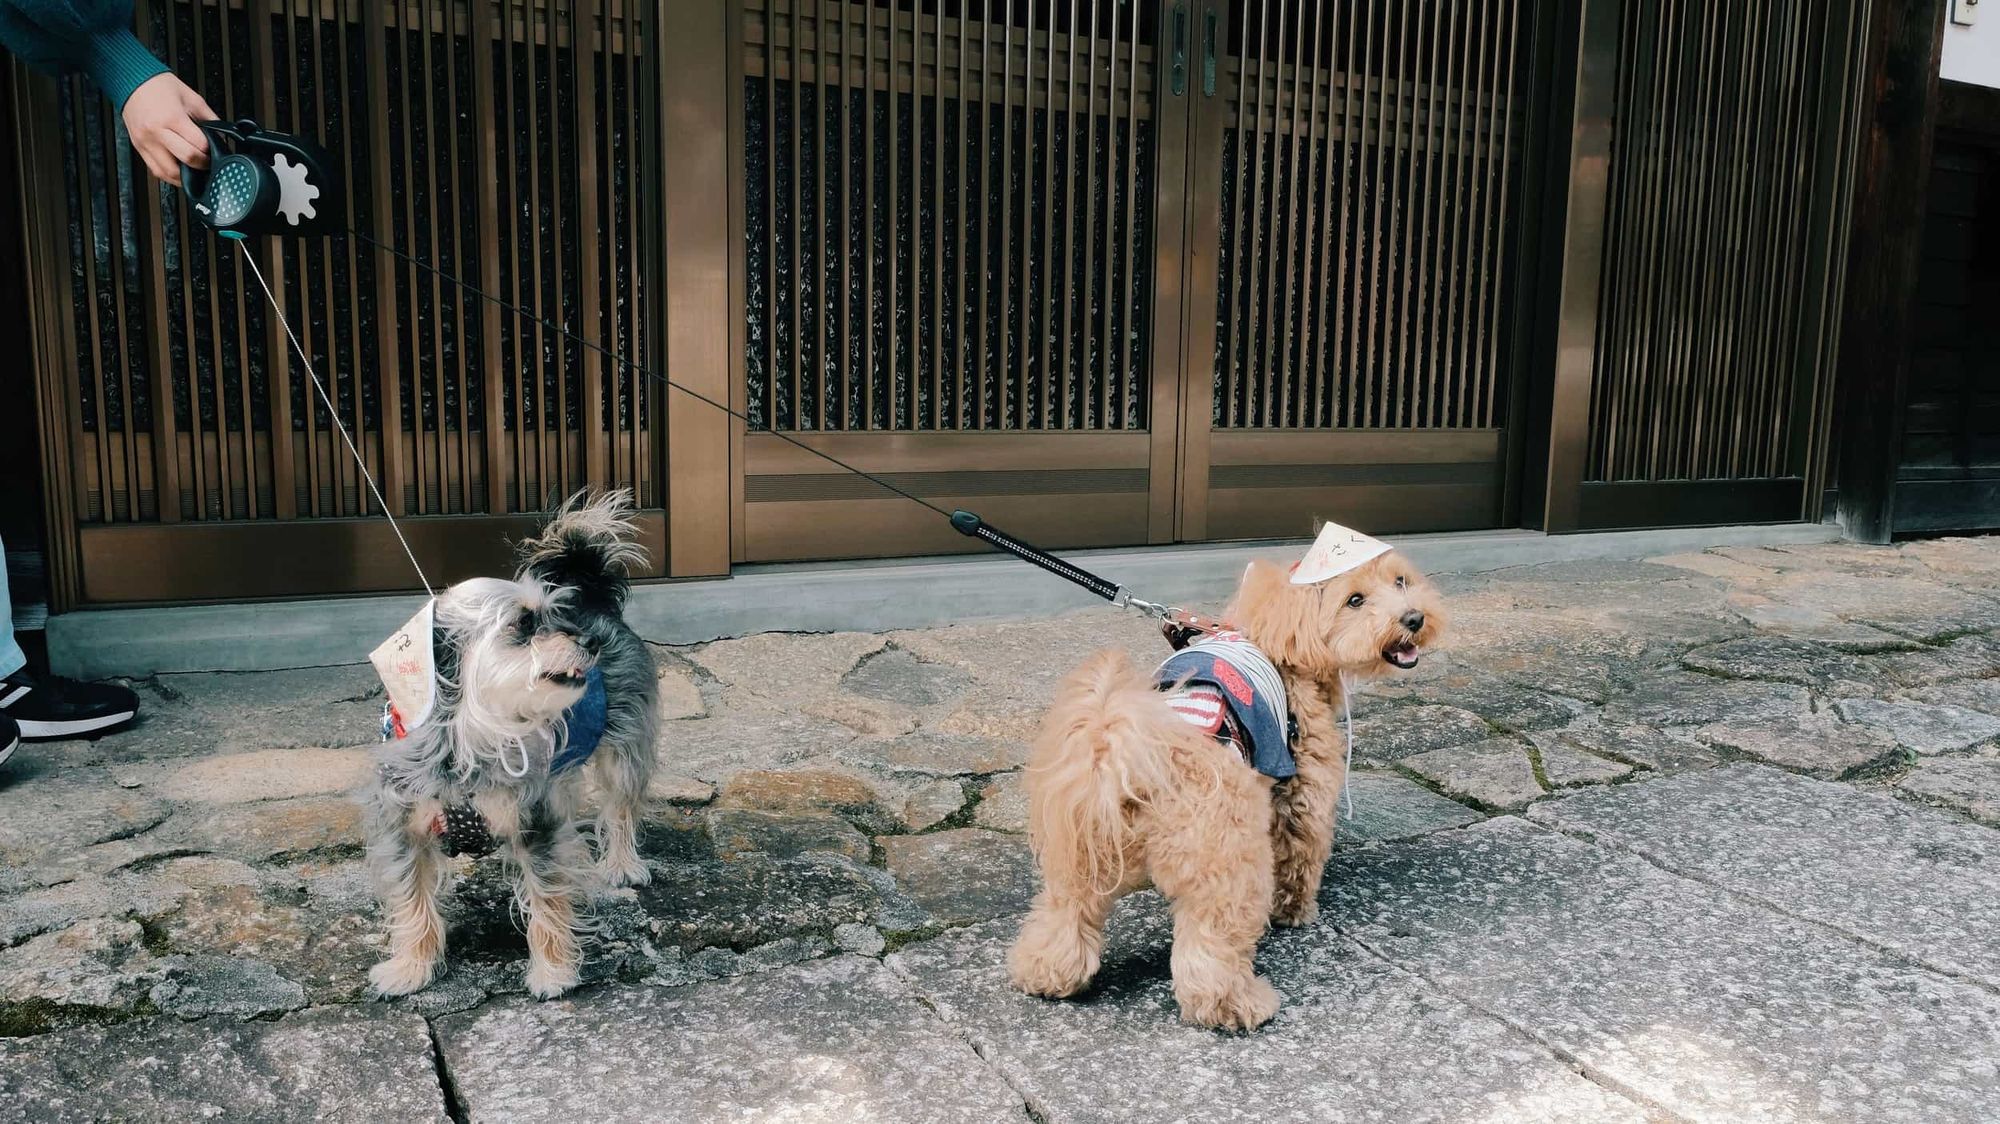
[(1199, 706)]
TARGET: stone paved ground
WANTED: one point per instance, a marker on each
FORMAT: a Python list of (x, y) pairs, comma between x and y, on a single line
[(1704, 837)]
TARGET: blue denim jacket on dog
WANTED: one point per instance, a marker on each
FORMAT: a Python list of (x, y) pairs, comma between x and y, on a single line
[(1250, 687)]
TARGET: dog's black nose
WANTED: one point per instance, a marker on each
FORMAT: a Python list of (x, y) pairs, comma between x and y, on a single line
[(1414, 620)]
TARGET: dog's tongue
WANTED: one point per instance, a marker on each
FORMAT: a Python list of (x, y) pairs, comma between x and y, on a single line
[(1403, 654)]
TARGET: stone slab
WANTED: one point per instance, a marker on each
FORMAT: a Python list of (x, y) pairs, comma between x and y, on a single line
[(1901, 876), (1665, 750), (1389, 807), (835, 1040), (334, 1063), (1922, 727), (1396, 733), (1809, 743), (1355, 1040), (1704, 1004), (1969, 784), (1681, 698), (1496, 773), (965, 874)]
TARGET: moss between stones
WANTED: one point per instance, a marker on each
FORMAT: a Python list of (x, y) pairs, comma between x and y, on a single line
[(896, 940), (25, 1017)]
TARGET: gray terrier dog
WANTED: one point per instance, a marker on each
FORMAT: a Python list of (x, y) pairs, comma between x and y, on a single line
[(528, 670)]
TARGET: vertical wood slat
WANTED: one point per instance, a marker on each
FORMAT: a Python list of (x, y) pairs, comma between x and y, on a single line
[(868, 210), (205, 249), (342, 465), (153, 281), (303, 323), (1007, 285), (910, 404), (983, 321), (844, 414), (449, 185), (586, 36), (350, 121), (1089, 227), (938, 158), (390, 387), (277, 350), (92, 367), (486, 164)]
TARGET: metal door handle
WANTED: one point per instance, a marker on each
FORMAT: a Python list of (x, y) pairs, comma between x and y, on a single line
[(1179, 70), (1208, 53)]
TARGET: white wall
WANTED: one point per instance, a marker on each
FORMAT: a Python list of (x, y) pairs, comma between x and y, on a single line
[(1972, 54)]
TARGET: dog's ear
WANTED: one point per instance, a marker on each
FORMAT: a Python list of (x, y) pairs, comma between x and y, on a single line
[(1281, 618)]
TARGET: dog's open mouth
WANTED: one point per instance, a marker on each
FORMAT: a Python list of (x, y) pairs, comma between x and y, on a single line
[(1402, 654), (573, 677)]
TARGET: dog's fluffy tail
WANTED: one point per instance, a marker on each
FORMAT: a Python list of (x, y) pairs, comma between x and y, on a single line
[(587, 544), (1107, 750)]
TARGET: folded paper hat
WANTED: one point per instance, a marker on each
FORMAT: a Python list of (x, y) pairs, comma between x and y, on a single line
[(408, 668), (1337, 550)]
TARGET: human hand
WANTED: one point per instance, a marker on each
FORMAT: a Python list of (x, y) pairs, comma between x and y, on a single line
[(160, 117)]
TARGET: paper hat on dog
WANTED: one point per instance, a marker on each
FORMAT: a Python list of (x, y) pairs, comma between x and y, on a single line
[(408, 667), (1337, 550)]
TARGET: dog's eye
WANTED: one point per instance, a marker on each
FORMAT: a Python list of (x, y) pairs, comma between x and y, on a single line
[(524, 626), (1355, 601), (1401, 581)]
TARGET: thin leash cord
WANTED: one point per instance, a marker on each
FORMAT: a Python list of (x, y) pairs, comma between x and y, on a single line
[(637, 369), (333, 412)]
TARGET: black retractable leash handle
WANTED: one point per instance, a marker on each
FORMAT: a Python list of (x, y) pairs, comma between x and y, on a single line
[(260, 182)]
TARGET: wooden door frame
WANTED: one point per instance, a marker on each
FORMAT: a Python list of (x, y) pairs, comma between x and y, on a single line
[(1893, 176)]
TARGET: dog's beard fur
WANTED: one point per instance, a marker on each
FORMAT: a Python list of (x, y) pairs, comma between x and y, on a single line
[(520, 666), (1121, 791)]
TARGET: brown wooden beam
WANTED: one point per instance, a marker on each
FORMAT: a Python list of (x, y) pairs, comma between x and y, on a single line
[(695, 183), (1884, 250)]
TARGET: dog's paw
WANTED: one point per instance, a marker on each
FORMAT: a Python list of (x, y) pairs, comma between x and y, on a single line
[(1244, 1006), (1051, 972), (1293, 916), (628, 870), (401, 976), (546, 981)]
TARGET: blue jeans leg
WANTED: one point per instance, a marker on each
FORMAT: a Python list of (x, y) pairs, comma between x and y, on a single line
[(12, 659)]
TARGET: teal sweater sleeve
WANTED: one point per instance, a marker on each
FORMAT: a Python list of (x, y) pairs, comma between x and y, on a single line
[(93, 37)]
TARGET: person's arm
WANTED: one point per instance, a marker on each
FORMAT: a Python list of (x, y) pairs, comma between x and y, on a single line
[(94, 37)]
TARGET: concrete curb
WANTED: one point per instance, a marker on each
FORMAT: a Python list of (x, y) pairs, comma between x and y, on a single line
[(821, 597)]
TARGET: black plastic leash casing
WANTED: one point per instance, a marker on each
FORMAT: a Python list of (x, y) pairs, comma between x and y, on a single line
[(972, 526), (262, 182)]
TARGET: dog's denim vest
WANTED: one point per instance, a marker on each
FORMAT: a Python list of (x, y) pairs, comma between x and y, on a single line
[(1251, 689)]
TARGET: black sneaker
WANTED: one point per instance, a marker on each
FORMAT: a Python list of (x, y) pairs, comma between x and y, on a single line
[(51, 707), (10, 738)]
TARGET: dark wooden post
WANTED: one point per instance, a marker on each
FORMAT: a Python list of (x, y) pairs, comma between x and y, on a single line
[(694, 49), (1882, 261)]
